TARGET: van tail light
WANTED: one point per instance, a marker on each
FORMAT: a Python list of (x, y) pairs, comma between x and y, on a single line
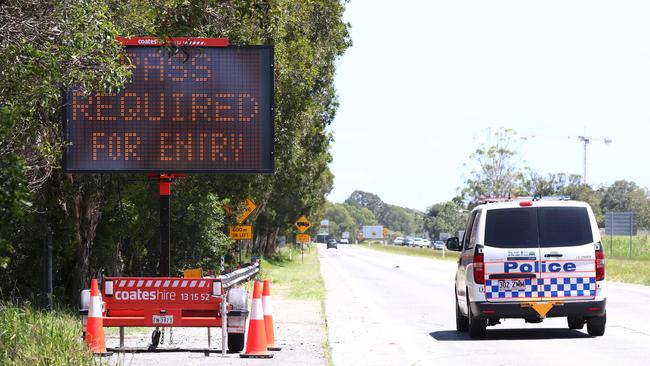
[(479, 268), (600, 263)]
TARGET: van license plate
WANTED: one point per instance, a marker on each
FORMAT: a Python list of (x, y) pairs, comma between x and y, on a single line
[(163, 319), (512, 285)]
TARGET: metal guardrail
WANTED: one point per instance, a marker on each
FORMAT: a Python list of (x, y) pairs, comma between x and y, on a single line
[(238, 276)]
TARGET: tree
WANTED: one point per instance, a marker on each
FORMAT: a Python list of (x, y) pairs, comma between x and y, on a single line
[(402, 220), (497, 172), (110, 222), (367, 200), (340, 219), (570, 186), (624, 195), (393, 217), (444, 218), (361, 215)]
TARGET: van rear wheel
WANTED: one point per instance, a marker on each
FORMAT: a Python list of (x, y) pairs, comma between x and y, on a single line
[(575, 323), (462, 322), (477, 324), (596, 326)]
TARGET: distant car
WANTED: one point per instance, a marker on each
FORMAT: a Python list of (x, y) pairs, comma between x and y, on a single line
[(398, 241), (408, 241), (417, 242), (331, 243), (426, 243), (344, 241), (438, 245)]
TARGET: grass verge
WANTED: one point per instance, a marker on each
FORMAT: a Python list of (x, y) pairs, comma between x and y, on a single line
[(34, 337), (628, 270), (619, 247), (294, 279), (619, 268)]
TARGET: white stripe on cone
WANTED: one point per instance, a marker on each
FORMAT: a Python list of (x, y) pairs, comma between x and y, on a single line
[(257, 313), (95, 308), (268, 308)]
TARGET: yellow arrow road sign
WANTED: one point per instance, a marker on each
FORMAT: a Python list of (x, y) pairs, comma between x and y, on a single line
[(249, 207), (302, 224)]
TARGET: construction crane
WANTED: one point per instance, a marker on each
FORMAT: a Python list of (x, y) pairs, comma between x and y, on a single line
[(586, 140)]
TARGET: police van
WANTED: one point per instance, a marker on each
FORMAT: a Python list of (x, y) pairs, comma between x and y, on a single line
[(530, 259)]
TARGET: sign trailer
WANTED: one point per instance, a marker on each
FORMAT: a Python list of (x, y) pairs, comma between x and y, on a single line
[(193, 105)]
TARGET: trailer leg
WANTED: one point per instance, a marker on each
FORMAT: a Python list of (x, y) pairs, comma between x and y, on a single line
[(122, 339), (224, 326)]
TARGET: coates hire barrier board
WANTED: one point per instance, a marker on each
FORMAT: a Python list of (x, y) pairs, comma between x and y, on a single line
[(373, 232), (207, 108), (162, 301)]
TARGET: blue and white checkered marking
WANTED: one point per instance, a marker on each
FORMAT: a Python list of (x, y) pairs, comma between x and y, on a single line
[(545, 288)]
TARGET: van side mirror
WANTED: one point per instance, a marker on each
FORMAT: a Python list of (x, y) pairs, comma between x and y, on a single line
[(453, 244)]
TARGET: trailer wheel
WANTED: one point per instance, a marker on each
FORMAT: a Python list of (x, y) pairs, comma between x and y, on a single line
[(235, 342), (155, 338)]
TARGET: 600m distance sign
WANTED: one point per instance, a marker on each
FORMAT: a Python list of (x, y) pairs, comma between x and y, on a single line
[(204, 109)]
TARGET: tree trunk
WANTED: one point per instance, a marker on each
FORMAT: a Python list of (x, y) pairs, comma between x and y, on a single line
[(271, 245), (117, 263), (86, 213)]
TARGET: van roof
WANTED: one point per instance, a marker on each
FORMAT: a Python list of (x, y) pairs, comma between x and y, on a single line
[(540, 203)]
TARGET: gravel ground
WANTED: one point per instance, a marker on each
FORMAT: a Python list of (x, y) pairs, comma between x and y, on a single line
[(299, 330)]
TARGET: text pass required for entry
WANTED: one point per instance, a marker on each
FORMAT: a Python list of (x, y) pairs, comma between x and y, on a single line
[(205, 110)]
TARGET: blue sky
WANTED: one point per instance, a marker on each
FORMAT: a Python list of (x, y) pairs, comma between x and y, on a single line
[(425, 79)]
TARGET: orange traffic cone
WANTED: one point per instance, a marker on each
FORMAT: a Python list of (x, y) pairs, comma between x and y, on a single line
[(268, 317), (94, 326), (256, 343)]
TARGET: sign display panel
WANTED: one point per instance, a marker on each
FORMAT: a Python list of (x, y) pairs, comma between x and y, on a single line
[(205, 110), (620, 223), (372, 232)]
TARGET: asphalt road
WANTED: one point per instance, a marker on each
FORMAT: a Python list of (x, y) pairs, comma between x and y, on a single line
[(385, 309)]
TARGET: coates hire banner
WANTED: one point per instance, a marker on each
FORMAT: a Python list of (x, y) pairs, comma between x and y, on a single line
[(373, 232)]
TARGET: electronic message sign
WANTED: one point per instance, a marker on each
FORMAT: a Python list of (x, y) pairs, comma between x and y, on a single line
[(208, 109)]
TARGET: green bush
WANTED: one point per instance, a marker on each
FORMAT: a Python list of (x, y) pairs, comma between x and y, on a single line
[(34, 337)]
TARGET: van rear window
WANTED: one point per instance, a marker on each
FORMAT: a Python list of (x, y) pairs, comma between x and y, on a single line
[(511, 228), (563, 226), (530, 227)]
